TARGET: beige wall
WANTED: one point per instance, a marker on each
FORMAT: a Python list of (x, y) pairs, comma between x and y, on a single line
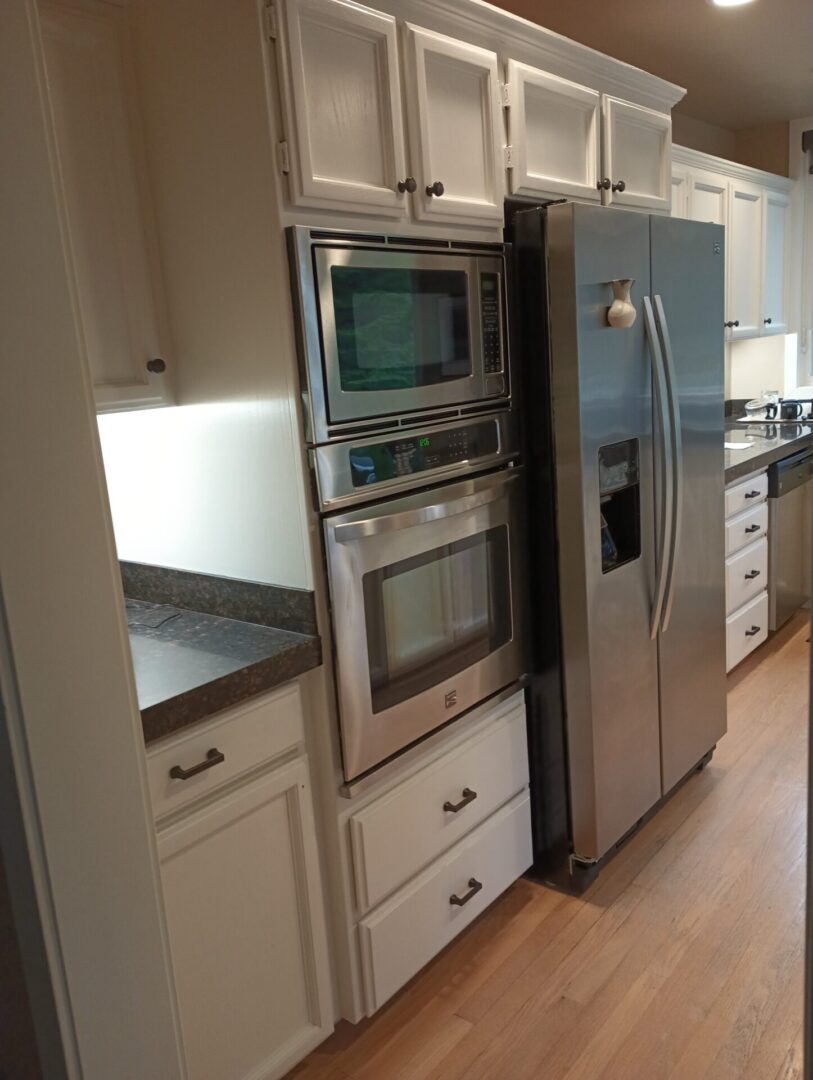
[(707, 138), (763, 147)]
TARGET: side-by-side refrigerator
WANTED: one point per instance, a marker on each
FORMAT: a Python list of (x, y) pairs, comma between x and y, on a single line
[(625, 441)]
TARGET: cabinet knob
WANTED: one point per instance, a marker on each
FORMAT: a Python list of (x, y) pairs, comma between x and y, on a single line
[(410, 185), (620, 186), (435, 189), (605, 184), (767, 321), (732, 323), (157, 366)]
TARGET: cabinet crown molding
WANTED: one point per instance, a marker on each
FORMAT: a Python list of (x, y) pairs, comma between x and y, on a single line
[(512, 36), (683, 155)]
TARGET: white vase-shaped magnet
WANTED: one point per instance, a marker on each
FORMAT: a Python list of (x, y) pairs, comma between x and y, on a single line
[(622, 312)]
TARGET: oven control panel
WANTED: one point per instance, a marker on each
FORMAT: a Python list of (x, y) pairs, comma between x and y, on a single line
[(490, 319), (408, 455)]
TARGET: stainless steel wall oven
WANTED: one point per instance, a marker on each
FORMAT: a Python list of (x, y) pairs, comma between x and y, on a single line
[(395, 331)]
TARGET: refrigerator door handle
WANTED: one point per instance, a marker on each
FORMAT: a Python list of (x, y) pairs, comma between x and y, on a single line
[(676, 458), (666, 479)]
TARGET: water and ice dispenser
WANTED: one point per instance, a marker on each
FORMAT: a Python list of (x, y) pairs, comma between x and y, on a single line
[(620, 504)]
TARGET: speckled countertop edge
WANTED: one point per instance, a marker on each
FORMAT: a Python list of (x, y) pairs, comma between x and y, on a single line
[(761, 457)]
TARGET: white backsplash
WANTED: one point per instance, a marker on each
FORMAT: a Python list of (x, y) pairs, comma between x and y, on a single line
[(757, 364)]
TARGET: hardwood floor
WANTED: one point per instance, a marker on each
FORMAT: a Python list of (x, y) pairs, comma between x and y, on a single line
[(684, 960)]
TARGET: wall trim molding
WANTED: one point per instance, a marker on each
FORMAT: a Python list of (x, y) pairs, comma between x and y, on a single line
[(683, 155)]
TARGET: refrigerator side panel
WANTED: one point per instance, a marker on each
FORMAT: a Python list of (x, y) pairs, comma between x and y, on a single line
[(601, 389), (688, 275)]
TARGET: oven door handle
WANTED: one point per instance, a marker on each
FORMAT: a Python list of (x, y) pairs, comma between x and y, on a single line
[(355, 530)]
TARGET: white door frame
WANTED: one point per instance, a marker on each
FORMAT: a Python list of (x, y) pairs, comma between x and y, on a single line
[(71, 716)]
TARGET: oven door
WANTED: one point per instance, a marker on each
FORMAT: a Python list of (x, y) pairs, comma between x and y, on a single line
[(404, 331), (427, 619)]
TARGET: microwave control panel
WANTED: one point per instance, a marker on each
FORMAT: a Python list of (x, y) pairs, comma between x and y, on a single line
[(490, 318), (407, 455)]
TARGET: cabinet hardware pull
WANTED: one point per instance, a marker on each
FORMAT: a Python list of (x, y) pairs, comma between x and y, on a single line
[(474, 887), (620, 186), (157, 366), (410, 185), (767, 321), (605, 184), (751, 494), (468, 796), (752, 631), (752, 528), (435, 189), (213, 757), (751, 575), (733, 322)]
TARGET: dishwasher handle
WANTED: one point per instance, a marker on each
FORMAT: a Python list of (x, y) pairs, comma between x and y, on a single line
[(789, 473)]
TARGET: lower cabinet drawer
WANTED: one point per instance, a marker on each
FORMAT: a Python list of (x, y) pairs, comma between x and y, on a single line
[(745, 629), (746, 575), (742, 496), (405, 932), (745, 528), (402, 832)]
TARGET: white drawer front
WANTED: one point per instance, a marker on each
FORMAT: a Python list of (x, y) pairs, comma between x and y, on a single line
[(406, 931), (745, 629), (246, 736), (407, 828), (745, 528), (747, 494), (746, 574)]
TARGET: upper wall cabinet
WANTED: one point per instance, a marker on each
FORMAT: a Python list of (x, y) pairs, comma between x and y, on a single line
[(637, 161), (775, 263), (554, 129), (110, 245), (455, 128), (680, 192), (346, 103), (754, 207)]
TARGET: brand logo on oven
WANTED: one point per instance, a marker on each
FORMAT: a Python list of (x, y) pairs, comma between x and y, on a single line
[(451, 698)]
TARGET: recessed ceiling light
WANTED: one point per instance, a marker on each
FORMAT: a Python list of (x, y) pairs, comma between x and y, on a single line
[(729, 3)]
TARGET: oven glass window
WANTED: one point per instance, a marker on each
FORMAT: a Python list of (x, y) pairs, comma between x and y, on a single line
[(400, 329), (435, 614)]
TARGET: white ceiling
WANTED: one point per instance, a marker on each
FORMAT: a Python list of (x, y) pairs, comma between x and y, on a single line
[(741, 66)]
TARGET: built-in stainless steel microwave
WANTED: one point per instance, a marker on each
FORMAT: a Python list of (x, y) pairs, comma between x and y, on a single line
[(396, 331)]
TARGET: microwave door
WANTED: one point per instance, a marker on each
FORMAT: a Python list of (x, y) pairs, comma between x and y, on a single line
[(401, 331), (427, 618)]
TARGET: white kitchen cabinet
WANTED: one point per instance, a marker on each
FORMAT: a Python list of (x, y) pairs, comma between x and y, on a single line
[(110, 242), (455, 128), (637, 144), (246, 927), (708, 197), (554, 133), (774, 263), (680, 192), (744, 295), (346, 107), (746, 567)]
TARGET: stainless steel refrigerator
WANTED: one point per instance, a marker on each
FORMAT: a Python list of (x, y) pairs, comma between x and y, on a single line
[(625, 446)]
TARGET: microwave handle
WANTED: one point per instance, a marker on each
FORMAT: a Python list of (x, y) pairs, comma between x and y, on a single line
[(355, 530)]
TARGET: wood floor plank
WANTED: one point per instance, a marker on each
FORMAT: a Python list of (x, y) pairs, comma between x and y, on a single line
[(682, 962)]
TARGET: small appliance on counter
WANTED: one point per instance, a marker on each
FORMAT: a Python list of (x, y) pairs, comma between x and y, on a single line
[(415, 457), (624, 435)]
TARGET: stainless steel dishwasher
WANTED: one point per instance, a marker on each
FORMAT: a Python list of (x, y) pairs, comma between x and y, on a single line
[(790, 486)]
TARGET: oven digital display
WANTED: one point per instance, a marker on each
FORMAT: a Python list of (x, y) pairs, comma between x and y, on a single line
[(404, 455)]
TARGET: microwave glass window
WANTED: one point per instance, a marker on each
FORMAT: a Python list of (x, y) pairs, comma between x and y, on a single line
[(400, 329), (435, 614)]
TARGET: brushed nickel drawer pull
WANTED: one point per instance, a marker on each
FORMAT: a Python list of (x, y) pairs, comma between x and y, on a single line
[(474, 887), (213, 757), (468, 796)]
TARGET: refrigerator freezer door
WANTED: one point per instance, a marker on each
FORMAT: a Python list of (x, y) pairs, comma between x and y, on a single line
[(688, 275), (602, 406)]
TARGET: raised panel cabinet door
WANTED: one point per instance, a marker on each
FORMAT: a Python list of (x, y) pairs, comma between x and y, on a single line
[(91, 92), (455, 129), (344, 107), (680, 192), (774, 268), (637, 147), (246, 929), (708, 197), (553, 133), (745, 231)]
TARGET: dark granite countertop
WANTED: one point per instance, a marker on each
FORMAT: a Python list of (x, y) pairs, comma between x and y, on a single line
[(190, 664), (767, 443)]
